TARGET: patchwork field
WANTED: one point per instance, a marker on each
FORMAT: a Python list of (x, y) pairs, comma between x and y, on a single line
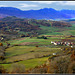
[(31, 51), (37, 46)]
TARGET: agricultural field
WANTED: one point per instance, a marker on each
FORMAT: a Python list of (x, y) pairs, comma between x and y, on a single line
[(35, 45), (31, 52)]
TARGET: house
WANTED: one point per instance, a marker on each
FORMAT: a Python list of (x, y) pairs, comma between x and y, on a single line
[(55, 43), (66, 43), (52, 42), (54, 53), (71, 46), (2, 38)]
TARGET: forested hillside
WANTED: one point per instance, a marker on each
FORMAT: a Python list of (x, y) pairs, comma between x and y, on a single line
[(13, 26), (27, 25)]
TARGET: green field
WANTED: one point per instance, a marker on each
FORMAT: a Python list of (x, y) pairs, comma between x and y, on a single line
[(29, 54), (34, 39), (24, 52), (30, 44), (30, 63), (57, 31), (53, 30)]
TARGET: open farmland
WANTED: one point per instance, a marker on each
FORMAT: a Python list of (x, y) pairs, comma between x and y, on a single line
[(29, 52), (25, 51), (36, 49)]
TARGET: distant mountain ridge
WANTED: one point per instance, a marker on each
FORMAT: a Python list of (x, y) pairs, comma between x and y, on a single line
[(46, 13)]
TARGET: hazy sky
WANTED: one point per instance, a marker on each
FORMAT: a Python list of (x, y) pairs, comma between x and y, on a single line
[(35, 5)]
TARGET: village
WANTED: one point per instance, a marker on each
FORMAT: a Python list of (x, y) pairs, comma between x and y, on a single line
[(65, 43)]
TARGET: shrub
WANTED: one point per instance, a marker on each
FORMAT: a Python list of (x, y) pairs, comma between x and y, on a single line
[(2, 48), (37, 46), (73, 56), (39, 70), (2, 56), (32, 51), (46, 55), (4, 62), (16, 45), (71, 67), (69, 48), (63, 51), (2, 70), (16, 60), (69, 52), (52, 57), (17, 68), (22, 35), (36, 55), (59, 65), (42, 37), (1, 44)]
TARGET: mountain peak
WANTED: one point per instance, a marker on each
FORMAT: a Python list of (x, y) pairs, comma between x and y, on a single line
[(45, 13), (47, 9), (9, 8)]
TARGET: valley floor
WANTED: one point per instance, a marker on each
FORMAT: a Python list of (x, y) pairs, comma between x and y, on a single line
[(32, 52)]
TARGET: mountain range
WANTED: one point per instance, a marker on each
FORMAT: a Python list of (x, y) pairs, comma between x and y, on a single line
[(46, 13)]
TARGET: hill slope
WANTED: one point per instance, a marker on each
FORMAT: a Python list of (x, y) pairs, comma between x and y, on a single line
[(12, 25)]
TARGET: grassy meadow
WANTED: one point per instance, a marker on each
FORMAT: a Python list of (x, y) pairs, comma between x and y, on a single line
[(30, 55), (24, 50)]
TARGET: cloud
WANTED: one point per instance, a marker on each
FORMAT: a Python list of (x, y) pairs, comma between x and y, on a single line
[(3, 5), (57, 2), (44, 2), (67, 2), (28, 5)]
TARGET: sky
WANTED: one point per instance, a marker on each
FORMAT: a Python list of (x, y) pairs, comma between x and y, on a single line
[(36, 5)]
